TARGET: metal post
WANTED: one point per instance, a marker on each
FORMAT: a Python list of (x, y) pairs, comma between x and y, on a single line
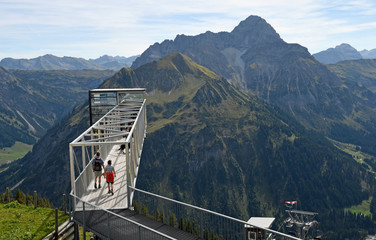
[(201, 226), (71, 157), (70, 209), (90, 113), (56, 224), (127, 173), (135, 132), (92, 147), (83, 157), (108, 226), (35, 199), (145, 118), (76, 232), (64, 205), (83, 221), (133, 154)]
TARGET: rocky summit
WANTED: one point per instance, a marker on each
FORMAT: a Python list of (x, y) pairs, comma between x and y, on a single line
[(255, 59)]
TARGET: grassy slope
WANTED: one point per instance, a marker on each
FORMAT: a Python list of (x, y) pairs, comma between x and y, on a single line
[(358, 156), (25, 222), (363, 208), (18, 150)]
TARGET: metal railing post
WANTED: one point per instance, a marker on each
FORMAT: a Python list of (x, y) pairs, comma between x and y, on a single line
[(56, 224), (128, 175), (108, 226), (64, 205), (83, 220), (72, 175), (35, 199), (201, 226), (70, 209)]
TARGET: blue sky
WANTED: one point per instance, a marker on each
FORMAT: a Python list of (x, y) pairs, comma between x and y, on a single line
[(92, 28)]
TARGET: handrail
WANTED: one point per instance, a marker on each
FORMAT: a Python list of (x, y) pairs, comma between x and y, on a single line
[(135, 121), (215, 213), (89, 129), (124, 218)]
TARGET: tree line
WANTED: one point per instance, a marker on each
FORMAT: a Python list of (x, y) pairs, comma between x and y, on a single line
[(182, 224), (24, 199)]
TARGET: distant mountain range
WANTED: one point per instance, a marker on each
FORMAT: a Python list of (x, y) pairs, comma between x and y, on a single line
[(370, 54), (51, 62), (343, 52)]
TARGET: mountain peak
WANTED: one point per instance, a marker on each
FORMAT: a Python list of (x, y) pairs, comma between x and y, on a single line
[(257, 29), (341, 52), (166, 74), (345, 46), (175, 60), (250, 22)]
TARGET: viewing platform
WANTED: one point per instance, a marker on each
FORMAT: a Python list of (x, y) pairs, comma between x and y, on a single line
[(117, 132), (120, 121)]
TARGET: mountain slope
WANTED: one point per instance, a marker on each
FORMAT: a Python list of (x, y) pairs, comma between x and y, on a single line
[(208, 143), (362, 72), (211, 145), (13, 126), (339, 53), (254, 58), (32, 101)]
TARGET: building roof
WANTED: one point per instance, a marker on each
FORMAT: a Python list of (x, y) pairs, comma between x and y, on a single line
[(118, 90), (264, 222)]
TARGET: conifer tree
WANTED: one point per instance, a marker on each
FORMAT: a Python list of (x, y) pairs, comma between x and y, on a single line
[(20, 197), (158, 216), (2, 198), (144, 210), (29, 200), (163, 217), (173, 220), (8, 196)]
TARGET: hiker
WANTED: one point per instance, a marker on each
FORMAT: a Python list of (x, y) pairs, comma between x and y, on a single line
[(97, 165), (110, 175)]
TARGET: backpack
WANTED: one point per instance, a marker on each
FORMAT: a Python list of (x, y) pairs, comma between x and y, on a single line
[(97, 165)]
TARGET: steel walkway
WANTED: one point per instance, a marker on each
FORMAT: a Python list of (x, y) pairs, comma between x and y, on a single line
[(119, 229), (100, 196), (120, 116)]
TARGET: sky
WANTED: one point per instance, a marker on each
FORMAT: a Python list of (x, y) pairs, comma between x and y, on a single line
[(93, 28)]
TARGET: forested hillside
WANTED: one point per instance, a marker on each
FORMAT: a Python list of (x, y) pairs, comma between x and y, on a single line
[(32, 101)]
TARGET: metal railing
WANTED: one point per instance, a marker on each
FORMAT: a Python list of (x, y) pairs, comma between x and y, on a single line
[(109, 225), (115, 128), (201, 222), (124, 125)]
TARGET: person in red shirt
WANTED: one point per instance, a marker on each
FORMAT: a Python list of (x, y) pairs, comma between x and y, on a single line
[(110, 176)]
